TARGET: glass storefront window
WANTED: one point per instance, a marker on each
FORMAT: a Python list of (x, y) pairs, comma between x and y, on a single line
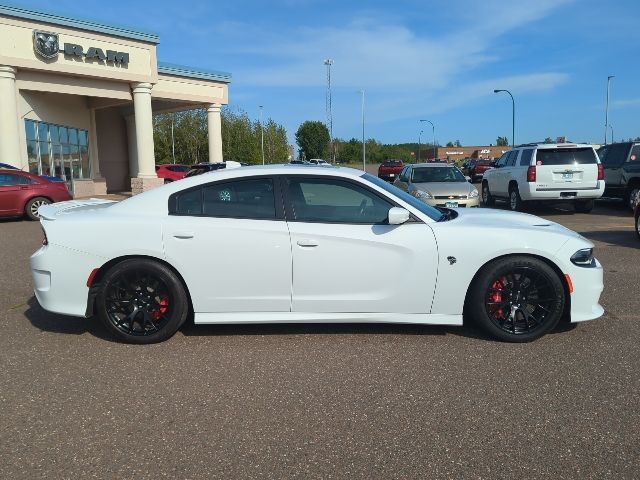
[(58, 151)]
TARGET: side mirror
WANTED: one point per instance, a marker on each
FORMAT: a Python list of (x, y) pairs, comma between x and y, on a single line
[(398, 216)]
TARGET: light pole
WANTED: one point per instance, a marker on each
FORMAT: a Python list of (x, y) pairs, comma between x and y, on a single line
[(513, 116), (261, 135), (364, 145), (611, 127), (606, 112), (419, 139), (173, 143), (328, 62), (433, 130)]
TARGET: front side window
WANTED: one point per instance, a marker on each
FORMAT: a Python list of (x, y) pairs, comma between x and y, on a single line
[(335, 201), (511, 160), (252, 198), (404, 174), (502, 160)]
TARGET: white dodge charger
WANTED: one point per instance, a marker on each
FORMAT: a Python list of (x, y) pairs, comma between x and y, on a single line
[(308, 244)]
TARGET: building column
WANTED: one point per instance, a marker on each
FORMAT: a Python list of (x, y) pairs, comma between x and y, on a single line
[(9, 127), (214, 124), (99, 183), (146, 177), (132, 145)]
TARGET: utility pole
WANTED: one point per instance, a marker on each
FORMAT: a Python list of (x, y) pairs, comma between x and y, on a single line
[(173, 143), (328, 62), (364, 145)]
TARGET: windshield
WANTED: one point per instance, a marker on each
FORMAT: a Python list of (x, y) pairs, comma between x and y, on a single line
[(428, 210), (565, 156), (436, 174)]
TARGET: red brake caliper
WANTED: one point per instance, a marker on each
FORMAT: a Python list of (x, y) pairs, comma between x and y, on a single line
[(496, 296), (164, 306)]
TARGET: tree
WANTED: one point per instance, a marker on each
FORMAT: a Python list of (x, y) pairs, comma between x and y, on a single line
[(458, 144), (313, 139), (548, 140), (502, 142), (449, 144)]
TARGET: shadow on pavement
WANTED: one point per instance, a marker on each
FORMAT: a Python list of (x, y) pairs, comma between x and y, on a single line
[(56, 323), (616, 238), (63, 324)]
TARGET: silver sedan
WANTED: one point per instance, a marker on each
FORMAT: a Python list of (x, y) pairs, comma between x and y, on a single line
[(438, 184)]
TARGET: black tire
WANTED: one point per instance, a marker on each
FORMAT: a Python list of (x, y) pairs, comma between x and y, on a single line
[(638, 226), (515, 202), (141, 301), (487, 198), (584, 206), (31, 208), (167, 180), (528, 289), (632, 196)]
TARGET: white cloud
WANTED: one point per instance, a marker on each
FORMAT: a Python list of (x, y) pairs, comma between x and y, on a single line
[(626, 103)]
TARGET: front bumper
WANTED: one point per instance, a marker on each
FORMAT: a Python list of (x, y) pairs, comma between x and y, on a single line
[(462, 203), (587, 288)]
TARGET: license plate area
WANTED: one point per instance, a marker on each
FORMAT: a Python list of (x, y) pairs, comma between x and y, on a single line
[(451, 204)]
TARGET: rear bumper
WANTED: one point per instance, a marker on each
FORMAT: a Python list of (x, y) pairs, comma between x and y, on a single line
[(388, 176), (59, 276), (533, 191)]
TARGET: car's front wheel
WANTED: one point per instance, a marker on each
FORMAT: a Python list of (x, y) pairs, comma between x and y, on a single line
[(32, 206), (141, 301), (516, 299), (633, 197), (515, 201)]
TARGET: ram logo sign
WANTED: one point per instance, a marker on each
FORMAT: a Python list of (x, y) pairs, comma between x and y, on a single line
[(47, 46)]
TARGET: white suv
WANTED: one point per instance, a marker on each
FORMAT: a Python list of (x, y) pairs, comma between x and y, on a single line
[(546, 172)]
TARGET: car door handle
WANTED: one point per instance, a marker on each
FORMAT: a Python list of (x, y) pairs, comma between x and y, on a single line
[(183, 235), (307, 242)]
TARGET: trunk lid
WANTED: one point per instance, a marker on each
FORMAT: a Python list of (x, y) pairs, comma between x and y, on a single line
[(55, 210), (572, 167)]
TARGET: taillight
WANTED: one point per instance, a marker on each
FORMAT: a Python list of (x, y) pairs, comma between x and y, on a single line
[(531, 173), (600, 172)]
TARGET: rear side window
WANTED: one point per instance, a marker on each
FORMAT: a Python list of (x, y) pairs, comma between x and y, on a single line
[(615, 155), (10, 179), (635, 154), (565, 156), (240, 199), (525, 158)]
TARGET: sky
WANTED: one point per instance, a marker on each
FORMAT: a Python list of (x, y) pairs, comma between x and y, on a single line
[(438, 60)]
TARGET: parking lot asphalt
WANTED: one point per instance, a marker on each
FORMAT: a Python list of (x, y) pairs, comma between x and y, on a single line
[(323, 401)]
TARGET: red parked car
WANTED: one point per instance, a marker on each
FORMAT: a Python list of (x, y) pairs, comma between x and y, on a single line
[(477, 169), (390, 169), (22, 193), (171, 172)]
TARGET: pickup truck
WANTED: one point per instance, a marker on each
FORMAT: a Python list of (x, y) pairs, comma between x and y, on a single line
[(390, 169), (621, 162)]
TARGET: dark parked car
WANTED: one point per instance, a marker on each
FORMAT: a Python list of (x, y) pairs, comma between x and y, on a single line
[(171, 172), (477, 169), (621, 162), (22, 193), (390, 169), (201, 168), (637, 215)]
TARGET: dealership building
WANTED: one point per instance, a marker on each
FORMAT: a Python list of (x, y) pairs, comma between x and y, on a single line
[(77, 99), (460, 153)]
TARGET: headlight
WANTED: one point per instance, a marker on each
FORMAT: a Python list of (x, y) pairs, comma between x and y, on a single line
[(473, 194), (584, 258), (421, 194)]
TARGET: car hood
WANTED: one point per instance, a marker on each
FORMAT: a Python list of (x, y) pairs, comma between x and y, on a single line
[(445, 188), (486, 218)]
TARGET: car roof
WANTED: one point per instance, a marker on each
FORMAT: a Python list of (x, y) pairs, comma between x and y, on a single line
[(555, 145), (432, 165)]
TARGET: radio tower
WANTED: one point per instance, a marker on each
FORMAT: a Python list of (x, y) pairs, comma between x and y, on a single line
[(328, 62)]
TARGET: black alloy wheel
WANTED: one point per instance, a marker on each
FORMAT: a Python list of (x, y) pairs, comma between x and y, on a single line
[(517, 299), (141, 301)]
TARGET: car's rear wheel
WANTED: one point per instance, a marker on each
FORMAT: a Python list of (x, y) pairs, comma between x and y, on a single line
[(638, 226), (141, 301), (515, 202), (516, 299), (32, 206), (487, 198), (584, 206)]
